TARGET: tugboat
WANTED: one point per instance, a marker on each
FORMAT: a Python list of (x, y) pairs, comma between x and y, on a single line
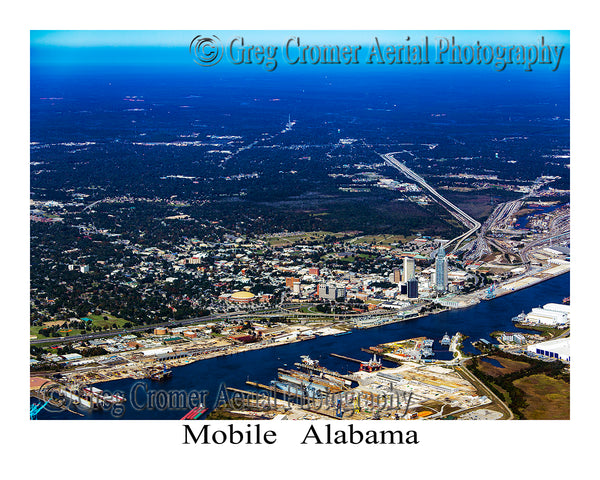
[(159, 376), (445, 340)]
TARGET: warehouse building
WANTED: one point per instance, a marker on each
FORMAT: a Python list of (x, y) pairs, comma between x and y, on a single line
[(552, 314), (559, 348)]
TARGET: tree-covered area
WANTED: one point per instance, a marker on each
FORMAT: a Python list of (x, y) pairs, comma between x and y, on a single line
[(516, 397)]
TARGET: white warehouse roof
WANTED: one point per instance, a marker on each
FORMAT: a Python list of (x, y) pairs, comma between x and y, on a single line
[(557, 307), (557, 348)]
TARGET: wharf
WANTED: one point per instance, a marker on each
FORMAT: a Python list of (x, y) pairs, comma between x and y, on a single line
[(42, 398), (349, 359), (325, 371)]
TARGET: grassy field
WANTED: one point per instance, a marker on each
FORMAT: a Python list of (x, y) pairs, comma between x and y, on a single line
[(98, 320), (547, 397), (35, 331), (509, 366), (547, 332)]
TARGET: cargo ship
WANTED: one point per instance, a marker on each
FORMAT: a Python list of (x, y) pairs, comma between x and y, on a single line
[(309, 380), (347, 332), (297, 390), (313, 367)]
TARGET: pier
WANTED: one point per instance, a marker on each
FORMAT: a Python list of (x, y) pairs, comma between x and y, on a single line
[(349, 359)]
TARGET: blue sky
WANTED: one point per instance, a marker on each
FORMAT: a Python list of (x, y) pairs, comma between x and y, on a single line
[(174, 38), (72, 48)]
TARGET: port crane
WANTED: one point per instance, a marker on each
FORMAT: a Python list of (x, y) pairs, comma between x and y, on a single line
[(491, 292), (338, 411), (37, 408)]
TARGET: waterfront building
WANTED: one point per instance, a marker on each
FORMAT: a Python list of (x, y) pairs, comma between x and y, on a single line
[(552, 314), (559, 348), (441, 270)]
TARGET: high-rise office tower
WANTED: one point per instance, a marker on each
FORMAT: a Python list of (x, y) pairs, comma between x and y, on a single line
[(441, 270), (409, 269)]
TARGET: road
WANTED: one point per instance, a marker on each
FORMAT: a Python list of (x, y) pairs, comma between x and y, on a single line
[(112, 333), (491, 395), (270, 313), (470, 223)]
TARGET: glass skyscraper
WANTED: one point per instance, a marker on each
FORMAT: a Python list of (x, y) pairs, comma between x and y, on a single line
[(441, 270)]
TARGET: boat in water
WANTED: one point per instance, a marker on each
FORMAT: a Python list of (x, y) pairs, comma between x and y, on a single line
[(445, 340), (372, 365), (195, 413), (297, 390), (347, 332), (309, 362), (160, 375), (427, 352)]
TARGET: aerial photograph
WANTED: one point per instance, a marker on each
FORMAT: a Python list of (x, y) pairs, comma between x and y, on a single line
[(299, 225)]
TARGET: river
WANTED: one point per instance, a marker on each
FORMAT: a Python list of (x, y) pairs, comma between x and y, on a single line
[(261, 365)]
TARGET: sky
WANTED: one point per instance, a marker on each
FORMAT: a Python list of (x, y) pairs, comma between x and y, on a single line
[(174, 38), (48, 47)]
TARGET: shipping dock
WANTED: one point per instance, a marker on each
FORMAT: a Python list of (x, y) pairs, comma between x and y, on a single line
[(159, 375), (312, 366), (308, 380)]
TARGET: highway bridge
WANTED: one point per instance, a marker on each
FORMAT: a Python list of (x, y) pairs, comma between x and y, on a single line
[(470, 223)]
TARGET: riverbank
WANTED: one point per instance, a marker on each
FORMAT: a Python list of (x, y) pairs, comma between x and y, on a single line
[(261, 364), (136, 368)]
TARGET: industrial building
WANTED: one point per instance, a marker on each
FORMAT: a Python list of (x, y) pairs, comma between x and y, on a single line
[(552, 314), (559, 348)]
